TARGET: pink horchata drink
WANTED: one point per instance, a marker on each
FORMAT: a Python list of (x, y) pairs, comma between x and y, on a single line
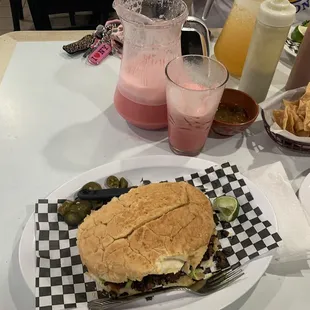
[(140, 96), (194, 89)]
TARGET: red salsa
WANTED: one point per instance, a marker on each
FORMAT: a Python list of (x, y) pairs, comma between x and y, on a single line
[(233, 114)]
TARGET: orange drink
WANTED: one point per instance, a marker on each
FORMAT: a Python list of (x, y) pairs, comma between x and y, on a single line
[(232, 46)]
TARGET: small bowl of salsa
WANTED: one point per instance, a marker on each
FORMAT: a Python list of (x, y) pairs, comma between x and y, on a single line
[(236, 112)]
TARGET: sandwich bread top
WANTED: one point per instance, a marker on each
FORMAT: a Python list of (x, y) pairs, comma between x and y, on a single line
[(153, 229)]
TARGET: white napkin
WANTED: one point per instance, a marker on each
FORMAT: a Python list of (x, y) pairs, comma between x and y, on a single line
[(293, 226)]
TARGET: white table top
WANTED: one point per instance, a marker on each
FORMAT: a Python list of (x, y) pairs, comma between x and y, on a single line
[(51, 134)]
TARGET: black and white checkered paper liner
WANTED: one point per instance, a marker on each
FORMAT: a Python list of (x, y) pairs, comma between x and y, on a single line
[(60, 278), (292, 45)]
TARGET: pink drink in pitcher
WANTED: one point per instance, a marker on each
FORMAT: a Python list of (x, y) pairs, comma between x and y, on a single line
[(194, 90), (140, 96), (140, 115), (152, 37)]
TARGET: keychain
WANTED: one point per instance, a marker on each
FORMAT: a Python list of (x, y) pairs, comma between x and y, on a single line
[(116, 36), (80, 45), (99, 54), (104, 41), (98, 37), (105, 48)]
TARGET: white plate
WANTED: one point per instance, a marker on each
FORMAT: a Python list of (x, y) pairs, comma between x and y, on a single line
[(155, 168), (304, 193)]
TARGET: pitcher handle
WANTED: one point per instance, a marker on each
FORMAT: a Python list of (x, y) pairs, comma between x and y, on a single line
[(207, 9), (196, 24)]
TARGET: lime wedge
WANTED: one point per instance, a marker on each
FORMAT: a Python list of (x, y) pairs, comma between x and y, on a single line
[(228, 207), (296, 35), (302, 29), (299, 32)]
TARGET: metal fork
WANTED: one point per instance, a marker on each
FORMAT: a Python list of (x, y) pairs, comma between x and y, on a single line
[(201, 288)]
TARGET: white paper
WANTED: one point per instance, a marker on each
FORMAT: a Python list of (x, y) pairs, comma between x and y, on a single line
[(293, 226), (276, 103)]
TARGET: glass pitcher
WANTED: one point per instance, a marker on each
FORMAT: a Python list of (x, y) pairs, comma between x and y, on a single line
[(232, 45), (152, 37)]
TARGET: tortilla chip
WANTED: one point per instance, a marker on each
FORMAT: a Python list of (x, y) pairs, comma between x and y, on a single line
[(304, 101), (298, 122), (303, 133), (307, 118), (285, 118), (301, 111), (288, 122), (295, 117), (288, 103), (278, 116)]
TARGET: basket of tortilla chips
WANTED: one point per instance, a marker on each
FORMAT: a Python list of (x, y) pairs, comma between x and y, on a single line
[(287, 119)]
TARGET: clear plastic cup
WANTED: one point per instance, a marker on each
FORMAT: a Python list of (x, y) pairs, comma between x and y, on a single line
[(195, 85)]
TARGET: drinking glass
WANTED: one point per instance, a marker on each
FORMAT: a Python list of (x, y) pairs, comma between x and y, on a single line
[(232, 46), (195, 85)]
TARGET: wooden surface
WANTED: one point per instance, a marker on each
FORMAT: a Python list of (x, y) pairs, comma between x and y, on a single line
[(6, 22)]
